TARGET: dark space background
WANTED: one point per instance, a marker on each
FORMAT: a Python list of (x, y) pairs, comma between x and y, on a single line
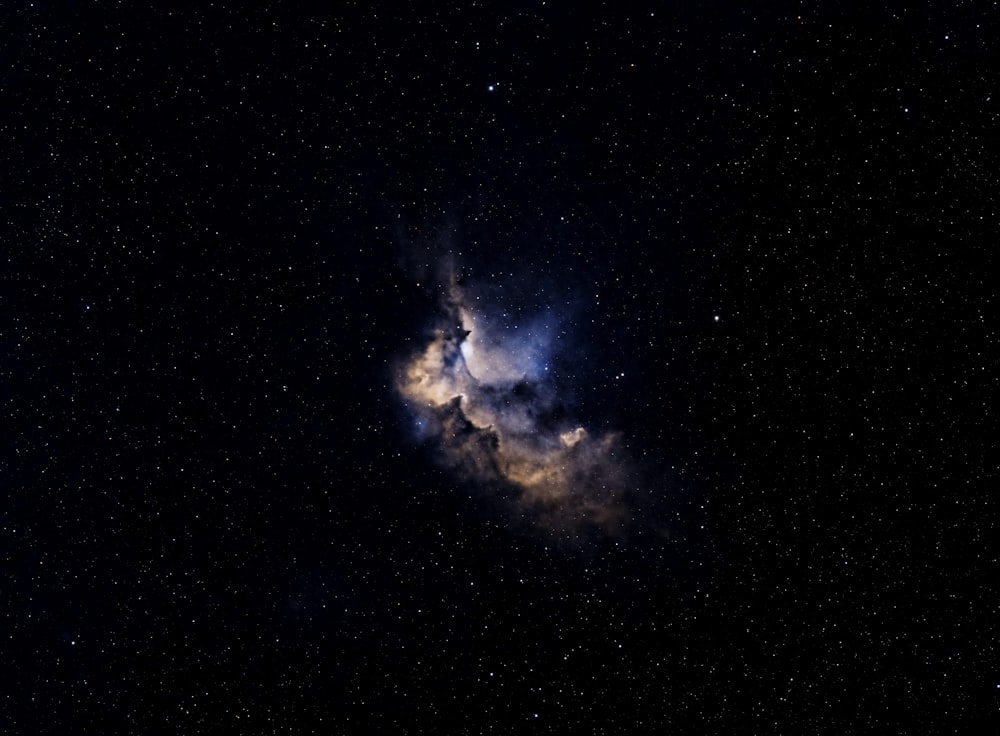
[(219, 231)]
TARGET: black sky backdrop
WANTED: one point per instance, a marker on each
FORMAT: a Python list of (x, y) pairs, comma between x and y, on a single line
[(771, 228)]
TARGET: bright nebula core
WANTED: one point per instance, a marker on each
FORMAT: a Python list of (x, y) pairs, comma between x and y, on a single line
[(483, 390)]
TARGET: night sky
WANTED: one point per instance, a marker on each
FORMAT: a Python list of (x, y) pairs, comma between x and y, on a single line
[(530, 367)]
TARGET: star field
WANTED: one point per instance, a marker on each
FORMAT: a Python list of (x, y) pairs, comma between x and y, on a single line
[(490, 368)]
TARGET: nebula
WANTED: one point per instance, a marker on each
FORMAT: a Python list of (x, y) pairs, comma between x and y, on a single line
[(483, 390)]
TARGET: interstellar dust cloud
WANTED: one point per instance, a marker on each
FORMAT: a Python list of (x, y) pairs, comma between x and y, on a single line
[(482, 388)]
